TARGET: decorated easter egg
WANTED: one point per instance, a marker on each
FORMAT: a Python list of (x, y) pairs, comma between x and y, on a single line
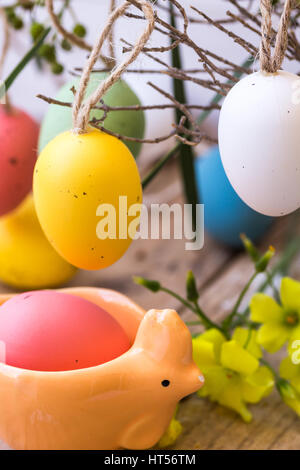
[(18, 151), (27, 260), (54, 331), (85, 187), (226, 216), (129, 123), (259, 141)]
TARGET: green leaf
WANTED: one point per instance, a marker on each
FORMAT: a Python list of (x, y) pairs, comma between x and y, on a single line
[(262, 264), (191, 287), (250, 248), (22, 64), (154, 286)]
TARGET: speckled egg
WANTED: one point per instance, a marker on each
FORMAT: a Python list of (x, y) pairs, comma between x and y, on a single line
[(82, 183)]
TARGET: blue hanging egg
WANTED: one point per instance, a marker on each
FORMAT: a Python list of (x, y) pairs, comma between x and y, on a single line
[(226, 215)]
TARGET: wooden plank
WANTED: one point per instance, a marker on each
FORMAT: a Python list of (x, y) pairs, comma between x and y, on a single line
[(165, 260), (210, 426)]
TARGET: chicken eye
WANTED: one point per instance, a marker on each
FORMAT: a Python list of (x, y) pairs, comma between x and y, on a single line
[(165, 383)]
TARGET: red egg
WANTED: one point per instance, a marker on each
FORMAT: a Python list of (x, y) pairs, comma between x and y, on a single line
[(52, 331), (18, 152)]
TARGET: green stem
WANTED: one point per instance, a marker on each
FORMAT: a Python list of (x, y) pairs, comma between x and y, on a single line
[(194, 308), (284, 262), (186, 154), (186, 303), (64, 7), (153, 172), (268, 365), (248, 338), (281, 266), (271, 284), (227, 323), (22, 64), (193, 323)]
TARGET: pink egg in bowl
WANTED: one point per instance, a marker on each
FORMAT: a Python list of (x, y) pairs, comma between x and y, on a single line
[(54, 331), (127, 402)]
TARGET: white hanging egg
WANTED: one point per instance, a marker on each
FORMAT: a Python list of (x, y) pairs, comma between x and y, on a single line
[(259, 140)]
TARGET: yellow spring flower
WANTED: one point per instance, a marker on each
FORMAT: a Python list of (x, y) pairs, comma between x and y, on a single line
[(289, 388), (171, 435), (279, 322), (233, 375)]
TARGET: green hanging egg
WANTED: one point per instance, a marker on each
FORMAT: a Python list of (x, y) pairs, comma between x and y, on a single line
[(129, 123)]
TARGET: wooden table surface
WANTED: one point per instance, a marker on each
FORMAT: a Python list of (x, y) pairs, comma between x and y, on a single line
[(221, 274)]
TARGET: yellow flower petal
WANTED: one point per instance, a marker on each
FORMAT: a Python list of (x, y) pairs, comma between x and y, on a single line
[(290, 293), (288, 370), (203, 392), (294, 404), (272, 336), (258, 385), (296, 383), (231, 397), (247, 339), (264, 309), (294, 344), (171, 435), (236, 358), (290, 396), (215, 382), (215, 337), (203, 353)]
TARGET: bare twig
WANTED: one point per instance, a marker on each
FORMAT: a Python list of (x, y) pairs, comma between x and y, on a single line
[(72, 38), (143, 71), (179, 74), (105, 107), (252, 50)]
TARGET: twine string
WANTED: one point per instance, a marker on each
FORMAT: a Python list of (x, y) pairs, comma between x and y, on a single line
[(111, 41), (271, 63), (282, 36), (81, 110)]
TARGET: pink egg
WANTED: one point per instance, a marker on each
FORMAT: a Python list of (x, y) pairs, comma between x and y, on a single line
[(52, 331), (18, 152)]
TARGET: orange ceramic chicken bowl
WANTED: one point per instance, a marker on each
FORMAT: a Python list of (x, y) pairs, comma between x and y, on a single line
[(127, 402)]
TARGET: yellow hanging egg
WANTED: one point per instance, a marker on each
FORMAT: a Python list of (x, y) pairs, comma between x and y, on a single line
[(84, 186)]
